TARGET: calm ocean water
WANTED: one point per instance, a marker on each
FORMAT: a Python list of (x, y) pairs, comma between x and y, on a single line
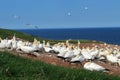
[(109, 35)]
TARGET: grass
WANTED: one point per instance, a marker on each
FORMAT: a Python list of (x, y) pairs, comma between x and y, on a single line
[(13, 67), (9, 34)]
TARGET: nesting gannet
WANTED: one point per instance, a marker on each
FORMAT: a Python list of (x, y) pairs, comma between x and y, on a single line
[(14, 42), (48, 44), (78, 58), (70, 52), (77, 51), (86, 54), (47, 47), (93, 66), (103, 52), (19, 44), (62, 52), (118, 54), (40, 45), (67, 43), (8, 43), (56, 47), (2, 43), (35, 45), (26, 49), (111, 58), (94, 53)]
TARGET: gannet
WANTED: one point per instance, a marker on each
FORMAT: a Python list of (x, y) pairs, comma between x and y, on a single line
[(93, 66)]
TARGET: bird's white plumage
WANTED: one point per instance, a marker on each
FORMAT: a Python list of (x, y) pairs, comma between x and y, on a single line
[(93, 66)]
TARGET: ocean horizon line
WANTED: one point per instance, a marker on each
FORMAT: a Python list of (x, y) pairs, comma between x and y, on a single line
[(69, 28)]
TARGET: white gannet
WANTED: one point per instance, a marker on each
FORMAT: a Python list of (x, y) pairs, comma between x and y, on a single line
[(56, 47), (47, 47), (93, 66), (14, 42), (118, 54), (62, 51), (111, 58), (48, 44), (35, 45), (103, 52), (9, 43), (77, 49), (78, 58), (29, 49), (70, 52), (26, 49), (19, 44), (2, 43), (86, 54), (94, 53), (43, 43), (40, 45)]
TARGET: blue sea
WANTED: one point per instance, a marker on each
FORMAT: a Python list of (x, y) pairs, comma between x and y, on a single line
[(109, 35)]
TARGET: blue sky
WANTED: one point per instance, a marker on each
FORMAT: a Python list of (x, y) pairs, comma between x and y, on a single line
[(27, 14)]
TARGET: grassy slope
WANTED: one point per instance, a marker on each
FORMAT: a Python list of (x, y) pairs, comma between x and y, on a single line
[(9, 33), (13, 67)]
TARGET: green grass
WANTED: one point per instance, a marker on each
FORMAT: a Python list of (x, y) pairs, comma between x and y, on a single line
[(13, 67), (9, 34)]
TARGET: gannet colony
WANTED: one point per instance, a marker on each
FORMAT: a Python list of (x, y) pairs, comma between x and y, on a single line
[(66, 51)]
